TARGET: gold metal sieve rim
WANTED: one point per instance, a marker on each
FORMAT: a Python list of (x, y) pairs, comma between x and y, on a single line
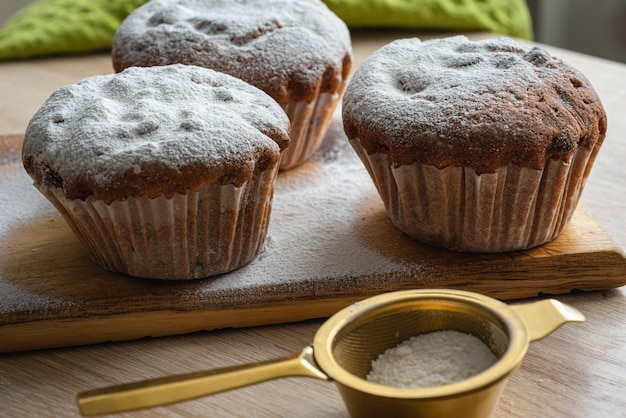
[(463, 301)]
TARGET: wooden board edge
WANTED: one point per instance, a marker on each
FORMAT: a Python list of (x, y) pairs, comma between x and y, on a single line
[(133, 326), (68, 332)]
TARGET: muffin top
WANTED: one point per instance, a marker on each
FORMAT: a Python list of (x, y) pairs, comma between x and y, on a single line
[(153, 131), (478, 104), (284, 47)]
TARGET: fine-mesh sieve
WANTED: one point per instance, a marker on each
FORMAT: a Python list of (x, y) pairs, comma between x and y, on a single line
[(346, 344), (357, 346)]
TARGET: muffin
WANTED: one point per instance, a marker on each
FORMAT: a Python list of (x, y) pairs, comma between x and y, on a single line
[(474, 146), (297, 51), (164, 172)]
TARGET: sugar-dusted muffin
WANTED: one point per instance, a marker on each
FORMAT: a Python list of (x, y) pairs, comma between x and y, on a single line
[(474, 146), (297, 51), (163, 172)]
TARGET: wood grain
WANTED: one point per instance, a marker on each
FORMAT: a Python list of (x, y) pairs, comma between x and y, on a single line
[(60, 297)]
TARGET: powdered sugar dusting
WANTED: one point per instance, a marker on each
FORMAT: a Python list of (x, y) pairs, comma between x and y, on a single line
[(482, 104), (21, 300), (30, 204), (433, 82), (315, 243), (107, 129), (266, 43), (314, 236)]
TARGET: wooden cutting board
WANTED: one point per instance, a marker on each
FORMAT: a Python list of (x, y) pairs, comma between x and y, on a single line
[(329, 244)]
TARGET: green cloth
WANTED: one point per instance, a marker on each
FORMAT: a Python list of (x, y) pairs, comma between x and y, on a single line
[(49, 27), (506, 17)]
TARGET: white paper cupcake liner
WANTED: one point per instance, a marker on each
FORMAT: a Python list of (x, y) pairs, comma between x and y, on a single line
[(202, 233), (309, 122), (512, 209)]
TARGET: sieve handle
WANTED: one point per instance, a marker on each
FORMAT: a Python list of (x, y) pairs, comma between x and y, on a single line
[(171, 389), (546, 316)]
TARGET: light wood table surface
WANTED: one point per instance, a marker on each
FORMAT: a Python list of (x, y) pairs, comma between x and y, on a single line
[(579, 371)]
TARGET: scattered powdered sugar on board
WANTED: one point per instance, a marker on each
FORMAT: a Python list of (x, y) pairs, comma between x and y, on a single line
[(432, 359), (14, 183), (22, 300), (313, 234), (30, 204), (315, 242)]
